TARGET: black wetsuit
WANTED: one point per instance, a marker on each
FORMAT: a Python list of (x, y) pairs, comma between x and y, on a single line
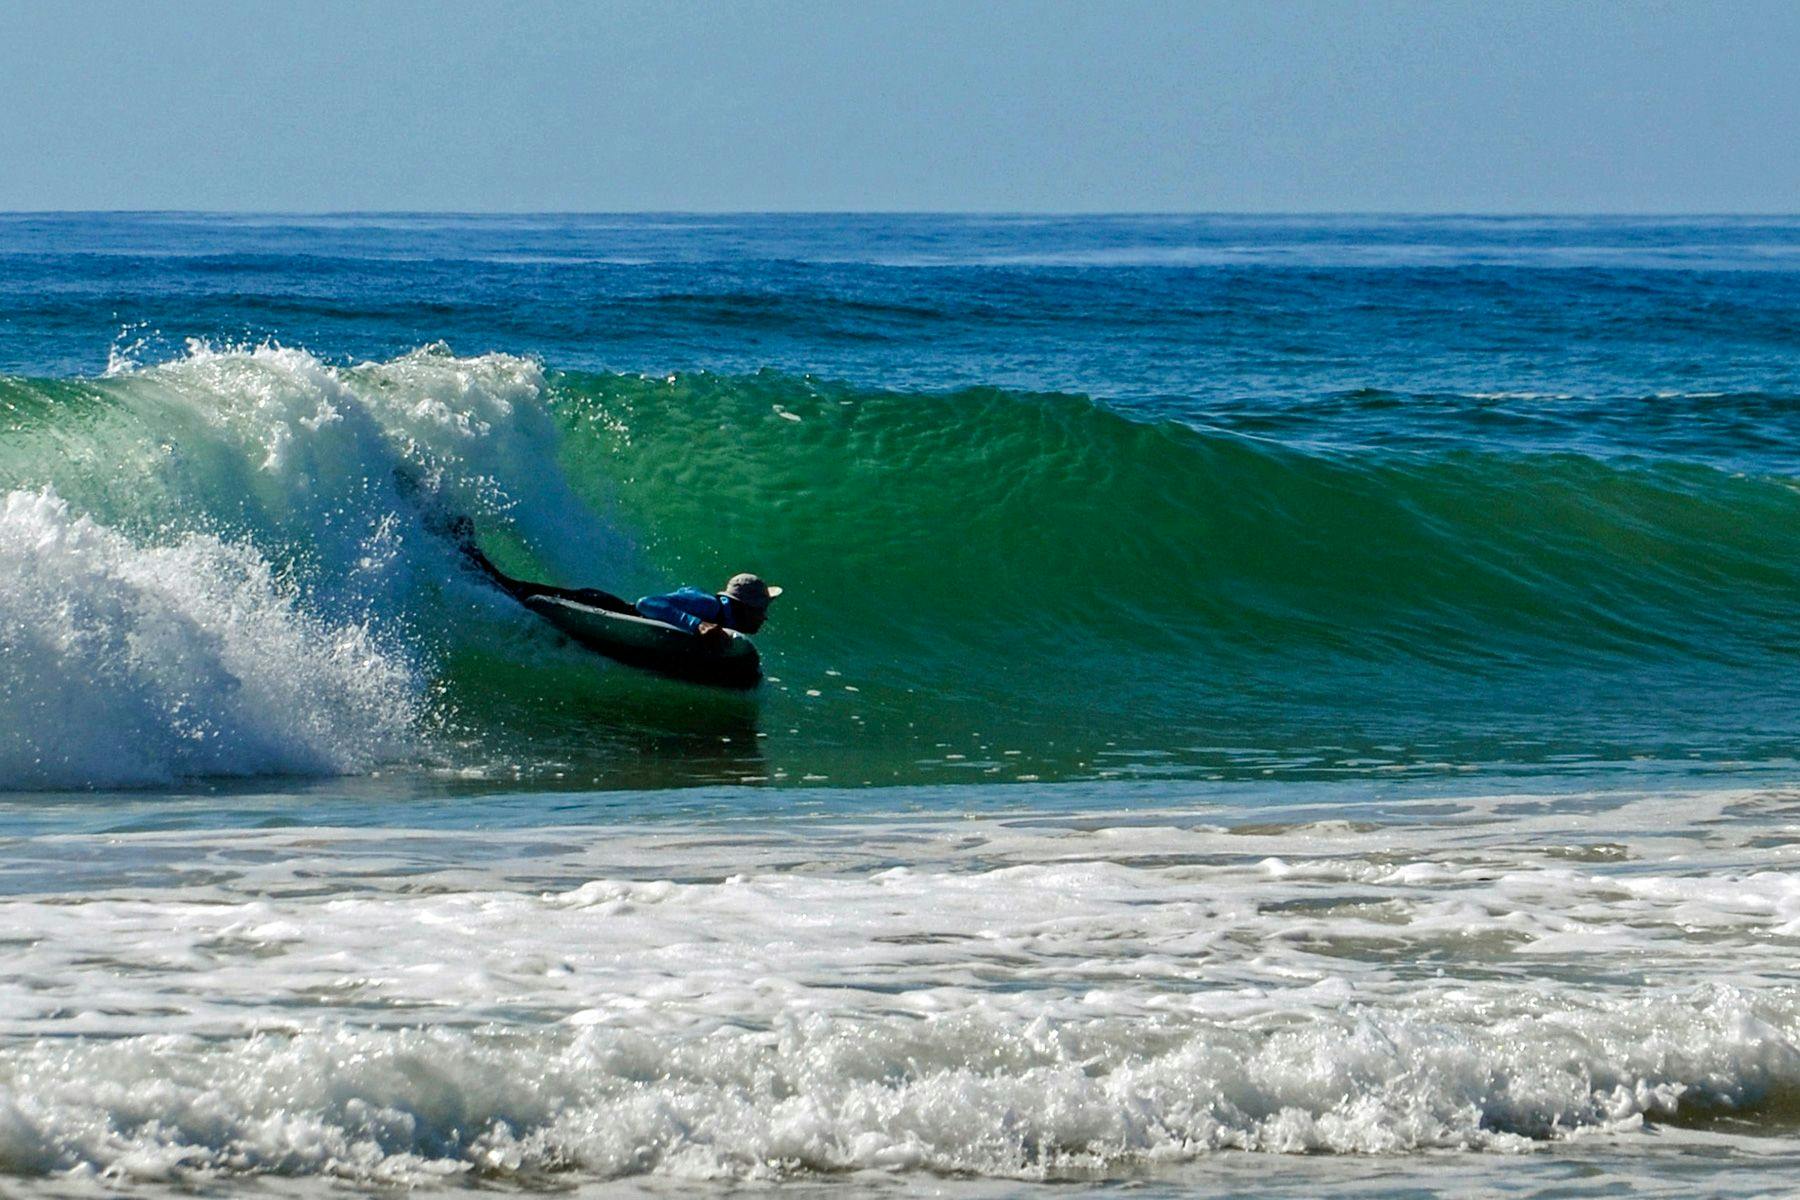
[(523, 589)]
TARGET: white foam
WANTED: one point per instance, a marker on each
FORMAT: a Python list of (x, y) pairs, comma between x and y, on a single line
[(1022, 998), (988, 1092), (323, 442), (128, 664), (277, 604)]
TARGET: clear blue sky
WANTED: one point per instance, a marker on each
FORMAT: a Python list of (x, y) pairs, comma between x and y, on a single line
[(1498, 106)]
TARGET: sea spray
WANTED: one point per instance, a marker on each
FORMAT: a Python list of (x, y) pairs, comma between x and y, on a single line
[(229, 563), (123, 664)]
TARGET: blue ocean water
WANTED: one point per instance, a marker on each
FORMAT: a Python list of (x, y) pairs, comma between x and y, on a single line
[(1245, 686), (1303, 322)]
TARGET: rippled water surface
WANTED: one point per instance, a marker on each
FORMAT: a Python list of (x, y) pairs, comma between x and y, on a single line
[(1260, 706)]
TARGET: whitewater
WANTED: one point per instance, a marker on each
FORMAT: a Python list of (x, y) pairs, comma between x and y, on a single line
[(1258, 705)]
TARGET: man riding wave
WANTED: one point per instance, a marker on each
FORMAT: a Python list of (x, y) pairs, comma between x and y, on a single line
[(743, 605)]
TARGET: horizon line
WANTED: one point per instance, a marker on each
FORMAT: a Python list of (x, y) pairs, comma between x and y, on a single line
[(1416, 214)]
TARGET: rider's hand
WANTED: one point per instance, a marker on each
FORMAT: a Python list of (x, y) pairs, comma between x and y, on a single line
[(712, 634)]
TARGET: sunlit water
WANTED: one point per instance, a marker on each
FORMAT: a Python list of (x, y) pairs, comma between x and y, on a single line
[(1260, 706)]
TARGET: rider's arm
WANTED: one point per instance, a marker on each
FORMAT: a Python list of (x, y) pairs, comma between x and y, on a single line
[(686, 609)]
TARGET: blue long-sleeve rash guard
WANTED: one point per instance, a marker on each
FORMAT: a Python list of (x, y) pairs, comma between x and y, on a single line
[(685, 608)]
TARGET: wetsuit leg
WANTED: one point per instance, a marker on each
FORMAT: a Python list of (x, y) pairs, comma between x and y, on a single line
[(592, 597), (518, 589), (595, 598), (523, 589)]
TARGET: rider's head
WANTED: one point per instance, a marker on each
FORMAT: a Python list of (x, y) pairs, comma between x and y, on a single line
[(751, 596)]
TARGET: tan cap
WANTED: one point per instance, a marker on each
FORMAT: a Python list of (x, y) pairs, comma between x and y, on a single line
[(751, 590)]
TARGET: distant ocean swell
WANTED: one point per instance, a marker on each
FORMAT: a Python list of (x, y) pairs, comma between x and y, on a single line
[(222, 538)]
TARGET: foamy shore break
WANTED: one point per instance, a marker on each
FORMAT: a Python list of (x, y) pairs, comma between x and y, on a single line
[(1047, 997)]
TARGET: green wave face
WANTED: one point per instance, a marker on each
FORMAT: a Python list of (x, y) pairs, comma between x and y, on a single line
[(1006, 573), (982, 585)]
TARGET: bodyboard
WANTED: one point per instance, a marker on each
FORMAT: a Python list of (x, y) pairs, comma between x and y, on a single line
[(652, 645)]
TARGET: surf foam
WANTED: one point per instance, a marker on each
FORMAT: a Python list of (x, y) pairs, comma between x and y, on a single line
[(123, 664), (986, 1093), (290, 613), (1026, 998)]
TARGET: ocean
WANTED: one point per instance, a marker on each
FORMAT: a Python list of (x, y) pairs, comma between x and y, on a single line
[(1260, 706)]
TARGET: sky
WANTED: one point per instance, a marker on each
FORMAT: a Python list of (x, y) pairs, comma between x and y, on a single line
[(1503, 106)]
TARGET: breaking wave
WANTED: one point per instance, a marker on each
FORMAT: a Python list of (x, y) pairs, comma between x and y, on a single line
[(984, 582)]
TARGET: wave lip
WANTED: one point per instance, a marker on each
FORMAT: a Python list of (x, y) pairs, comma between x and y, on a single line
[(242, 588)]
